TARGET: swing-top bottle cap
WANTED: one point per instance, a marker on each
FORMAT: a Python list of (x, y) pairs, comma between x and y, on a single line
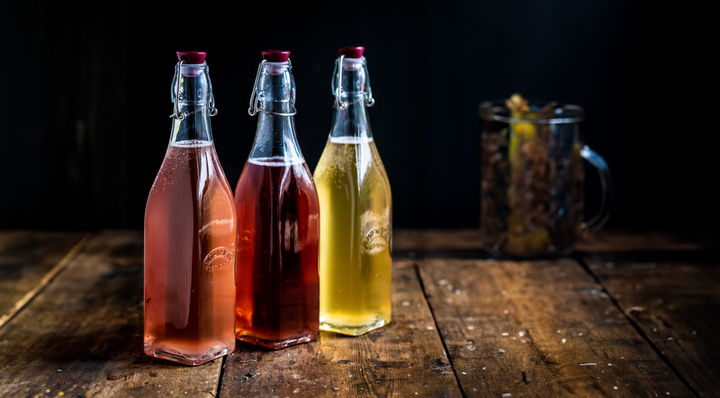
[(351, 52), (275, 56), (192, 57)]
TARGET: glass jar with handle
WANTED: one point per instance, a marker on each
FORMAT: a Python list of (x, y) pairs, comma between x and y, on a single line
[(533, 177)]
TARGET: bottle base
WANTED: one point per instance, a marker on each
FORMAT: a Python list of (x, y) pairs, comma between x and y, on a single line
[(349, 330), (276, 344), (187, 359)]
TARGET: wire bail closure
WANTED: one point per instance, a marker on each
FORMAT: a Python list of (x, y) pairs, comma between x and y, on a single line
[(211, 107), (339, 103), (255, 97), (176, 112), (176, 103), (369, 100)]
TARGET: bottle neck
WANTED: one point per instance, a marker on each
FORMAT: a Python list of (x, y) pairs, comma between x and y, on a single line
[(351, 87), (195, 126), (193, 103), (353, 120), (274, 104)]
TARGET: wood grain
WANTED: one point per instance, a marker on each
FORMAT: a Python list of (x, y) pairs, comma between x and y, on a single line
[(676, 303), (540, 329), (405, 358), (468, 240), (633, 241), (82, 335), (429, 239), (422, 244), (28, 261)]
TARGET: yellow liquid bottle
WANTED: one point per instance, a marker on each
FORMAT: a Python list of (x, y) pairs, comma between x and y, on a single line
[(355, 213)]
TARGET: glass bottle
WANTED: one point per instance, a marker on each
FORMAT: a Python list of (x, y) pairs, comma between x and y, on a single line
[(356, 208), (190, 233), (278, 230)]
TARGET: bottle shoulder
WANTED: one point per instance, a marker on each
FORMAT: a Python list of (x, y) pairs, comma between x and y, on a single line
[(191, 163), (274, 174), (352, 165), (190, 181), (357, 151)]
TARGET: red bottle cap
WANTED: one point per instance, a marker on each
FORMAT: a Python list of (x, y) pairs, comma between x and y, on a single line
[(192, 57), (275, 56), (351, 52)]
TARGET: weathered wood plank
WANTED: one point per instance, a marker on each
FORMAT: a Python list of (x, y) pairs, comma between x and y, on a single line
[(676, 303), (82, 335), (28, 261), (468, 240), (540, 329), (628, 241), (422, 244), (405, 358), (434, 239)]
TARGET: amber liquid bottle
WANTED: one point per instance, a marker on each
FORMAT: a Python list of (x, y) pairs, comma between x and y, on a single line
[(277, 224), (355, 209), (190, 233)]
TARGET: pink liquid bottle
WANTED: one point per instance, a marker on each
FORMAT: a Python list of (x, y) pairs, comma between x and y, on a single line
[(278, 228), (190, 233)]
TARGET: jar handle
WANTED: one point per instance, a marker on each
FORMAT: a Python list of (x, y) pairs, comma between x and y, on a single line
[(606, 182)]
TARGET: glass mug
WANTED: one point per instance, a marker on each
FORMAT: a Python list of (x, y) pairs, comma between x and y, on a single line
[(532, 179)]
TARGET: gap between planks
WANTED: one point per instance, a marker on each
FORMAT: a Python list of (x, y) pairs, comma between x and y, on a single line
[(406, 357), (221, 374), (544, 296), (59, 267), (579, 259), (437, 328)]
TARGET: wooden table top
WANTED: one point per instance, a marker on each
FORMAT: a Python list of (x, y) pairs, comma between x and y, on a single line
[(627, 315)]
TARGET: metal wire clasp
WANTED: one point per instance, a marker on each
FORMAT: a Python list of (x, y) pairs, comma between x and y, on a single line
[(369, 100), (255, 97), (339, 103), (182, 115), (177, 114), (211, 106), (252, 110)]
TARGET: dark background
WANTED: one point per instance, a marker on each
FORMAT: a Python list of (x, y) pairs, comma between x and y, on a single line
[(85, 98)]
